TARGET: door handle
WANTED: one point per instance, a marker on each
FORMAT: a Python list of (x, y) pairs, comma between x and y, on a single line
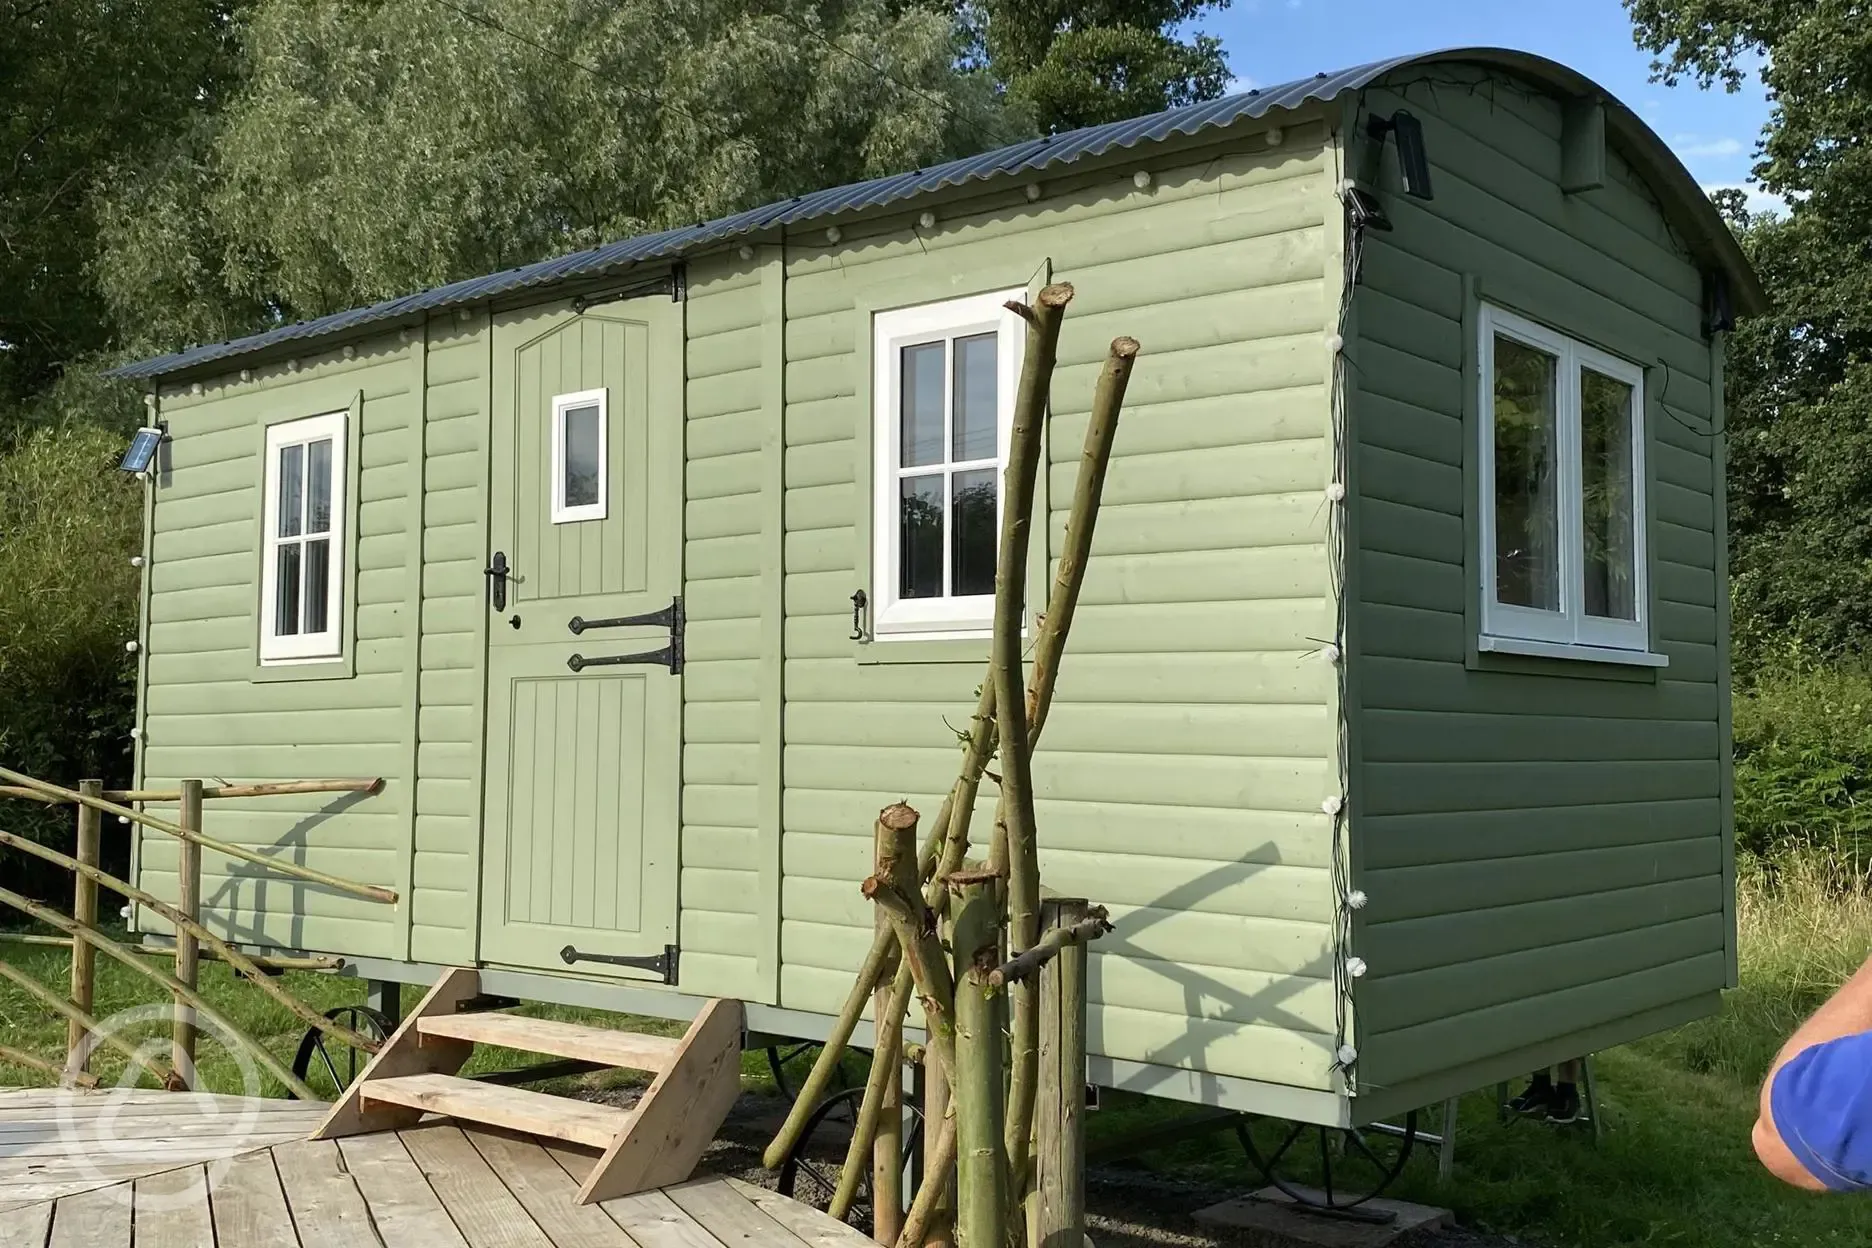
[(496, 572)]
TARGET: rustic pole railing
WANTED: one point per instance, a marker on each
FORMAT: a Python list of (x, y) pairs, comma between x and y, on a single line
[(310, 962), (85, 911), (187, 963), (112, 949), (245, 965), (267, 788), (77, 1058), (370, 892)]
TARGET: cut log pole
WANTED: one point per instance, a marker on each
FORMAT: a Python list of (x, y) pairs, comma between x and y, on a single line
[(220, 948), (370, 892), (981, 1164), (1059, 1117), (1022, 854), (1090, 923), (915, 926), (85, 911), (931, 1203), (268, 788), (86, 1025), (109, 947), (886, 1076), (187, 963)]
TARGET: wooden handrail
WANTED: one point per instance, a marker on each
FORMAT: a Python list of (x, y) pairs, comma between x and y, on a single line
[(232, 956), (31, 795), (266, 961), (370, 892), (109, 947), (268, 788)]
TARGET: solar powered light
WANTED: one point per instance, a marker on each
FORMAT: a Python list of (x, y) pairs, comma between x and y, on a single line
[(142, 452)]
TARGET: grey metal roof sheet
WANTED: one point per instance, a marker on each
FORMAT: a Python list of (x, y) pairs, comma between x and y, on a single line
[(1026, 157)]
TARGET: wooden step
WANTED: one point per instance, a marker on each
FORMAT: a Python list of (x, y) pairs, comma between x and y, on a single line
[(627, 1049), (537, 1113)]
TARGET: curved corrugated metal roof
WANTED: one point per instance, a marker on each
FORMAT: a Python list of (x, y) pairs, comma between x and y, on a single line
[(1679, 193)]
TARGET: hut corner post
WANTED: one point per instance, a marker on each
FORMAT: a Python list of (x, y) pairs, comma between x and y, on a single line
[(188, 949), (84, 911)]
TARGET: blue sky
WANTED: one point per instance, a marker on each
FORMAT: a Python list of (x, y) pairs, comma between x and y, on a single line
[(1713, 132)]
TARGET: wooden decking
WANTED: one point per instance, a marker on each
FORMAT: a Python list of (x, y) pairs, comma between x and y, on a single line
[(435, 1185)]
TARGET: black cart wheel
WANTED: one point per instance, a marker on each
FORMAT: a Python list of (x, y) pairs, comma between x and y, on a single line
[(1330, 1170), (329, 1065), (792, 1063), (810, 1173)]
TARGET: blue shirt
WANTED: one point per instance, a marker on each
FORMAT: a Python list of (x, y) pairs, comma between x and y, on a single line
[(1822, 1105)]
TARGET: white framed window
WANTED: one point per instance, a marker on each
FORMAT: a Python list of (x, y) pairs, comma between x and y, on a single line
[(580, 444), (302, 556), (943, 403), (1562, 494)]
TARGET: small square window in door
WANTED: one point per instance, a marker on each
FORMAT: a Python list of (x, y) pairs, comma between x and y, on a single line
[(580, 484)]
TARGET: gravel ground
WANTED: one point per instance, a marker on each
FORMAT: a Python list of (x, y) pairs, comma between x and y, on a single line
[(1127, 1208)]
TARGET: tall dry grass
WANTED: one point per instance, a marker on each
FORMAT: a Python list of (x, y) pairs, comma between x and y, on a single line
[(1804, 924)]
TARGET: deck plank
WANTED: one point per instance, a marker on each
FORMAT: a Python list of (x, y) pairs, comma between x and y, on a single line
[(818, 1229), (549, 1194), (328, 1210), (99, 1218), (404, 1206), (25, 1226), (486, 1213), (249, 1207), (650, 1218), (729, 1216), (172, 1210)]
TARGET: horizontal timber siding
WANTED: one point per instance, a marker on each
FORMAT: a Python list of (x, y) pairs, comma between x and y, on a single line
[(1541, 843), (1185, 761), (205, 715), (450, 670), (724, 589)]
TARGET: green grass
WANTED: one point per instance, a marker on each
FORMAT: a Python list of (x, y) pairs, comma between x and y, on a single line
[(1674, 1167)]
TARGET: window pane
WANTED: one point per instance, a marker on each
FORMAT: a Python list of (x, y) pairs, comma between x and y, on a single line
[(972, 555), (1527, 513), (920, 547), (581, 456), (974, 392), (318, 486), (921, 417), (286, 591), (1606, 503), (291, 489), (317, 584)]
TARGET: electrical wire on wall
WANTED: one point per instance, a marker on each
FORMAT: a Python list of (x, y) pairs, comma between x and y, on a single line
[(1345, 966)]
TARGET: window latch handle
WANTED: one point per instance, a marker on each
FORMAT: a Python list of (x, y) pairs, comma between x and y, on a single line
[(858, 605), (496, 572)]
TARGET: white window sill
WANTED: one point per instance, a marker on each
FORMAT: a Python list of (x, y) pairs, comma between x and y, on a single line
[(1564, 650)]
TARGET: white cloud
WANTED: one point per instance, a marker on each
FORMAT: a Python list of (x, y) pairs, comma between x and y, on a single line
[(1758, 202), (1701, 147), (1240, 83)]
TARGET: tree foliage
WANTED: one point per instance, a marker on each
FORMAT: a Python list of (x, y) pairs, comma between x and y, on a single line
[(377, 149), (1076, 64), (84, 86), (1800, 377)]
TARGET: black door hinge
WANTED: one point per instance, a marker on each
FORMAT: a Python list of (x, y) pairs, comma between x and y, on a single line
[(670, 656), (663, 964)]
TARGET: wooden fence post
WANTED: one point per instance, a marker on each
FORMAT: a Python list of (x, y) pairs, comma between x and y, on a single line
[(188, 901), (1059, 1118), (887, 1146), (85, 911)]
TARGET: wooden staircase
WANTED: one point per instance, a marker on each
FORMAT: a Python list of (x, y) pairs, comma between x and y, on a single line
[(652, 1144)]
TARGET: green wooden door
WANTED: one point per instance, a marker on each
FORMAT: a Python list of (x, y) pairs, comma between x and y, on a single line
[(583, 758)]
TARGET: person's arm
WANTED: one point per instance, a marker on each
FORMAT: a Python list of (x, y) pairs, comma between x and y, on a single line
[(1815, 1125)]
